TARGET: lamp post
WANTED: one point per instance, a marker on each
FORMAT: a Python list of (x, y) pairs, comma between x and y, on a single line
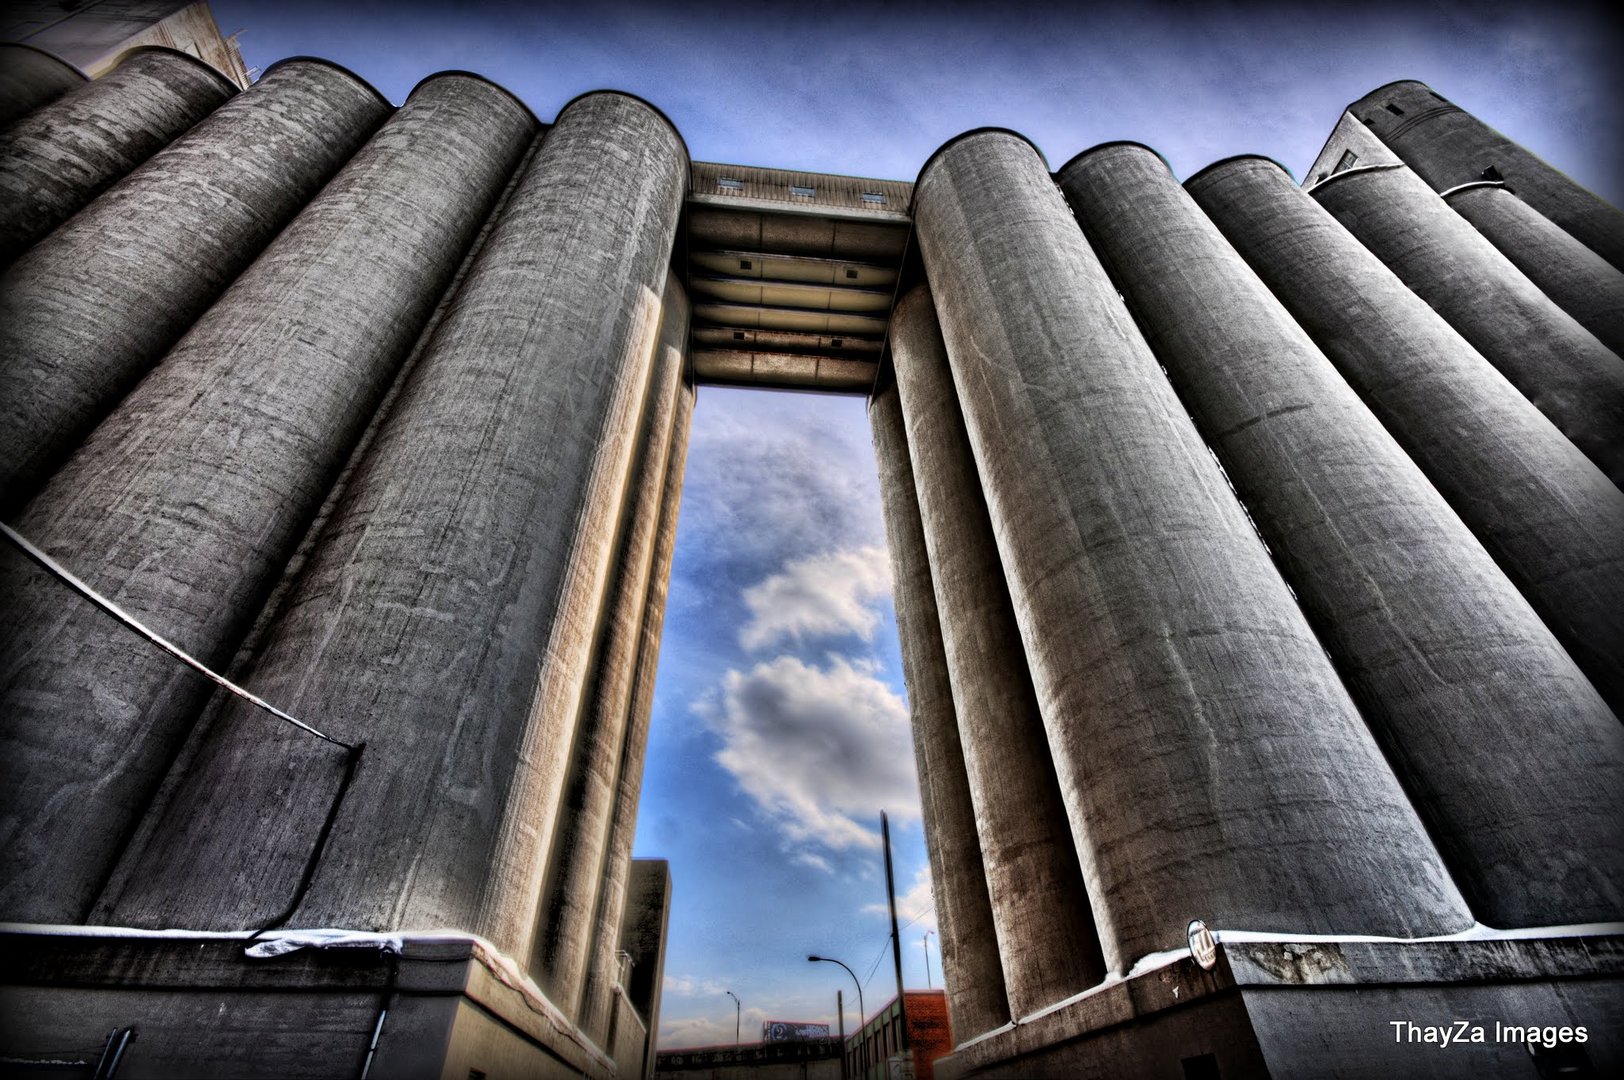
[(925, 943), (738, 1015), (862, 1013)]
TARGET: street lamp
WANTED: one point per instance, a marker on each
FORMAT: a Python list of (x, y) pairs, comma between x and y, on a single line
[(862, 1013), (738, 1014), (925, 943)]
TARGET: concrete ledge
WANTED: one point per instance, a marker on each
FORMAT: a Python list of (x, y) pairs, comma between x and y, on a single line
[(1334, 1008), (437, 1004)]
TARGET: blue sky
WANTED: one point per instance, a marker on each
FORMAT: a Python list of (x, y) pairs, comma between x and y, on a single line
[(780, 726)]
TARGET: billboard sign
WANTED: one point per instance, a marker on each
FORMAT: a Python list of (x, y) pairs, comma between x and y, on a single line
[(775, 1031)]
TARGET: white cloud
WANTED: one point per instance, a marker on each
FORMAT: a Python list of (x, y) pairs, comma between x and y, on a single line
[(775, 476), (690, 986), (815, 861), (712, 1030), (820, 750), (917, 904), (822, 595)]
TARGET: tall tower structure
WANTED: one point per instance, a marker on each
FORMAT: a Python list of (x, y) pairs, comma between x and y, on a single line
[(1255, 547)]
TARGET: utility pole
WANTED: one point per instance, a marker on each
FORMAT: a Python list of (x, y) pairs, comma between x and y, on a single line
[(896, 941), (840, 1012), (738, 1014)]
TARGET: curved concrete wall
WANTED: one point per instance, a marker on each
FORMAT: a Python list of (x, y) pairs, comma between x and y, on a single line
[(603, 971), (86, 314), (1547, 514), (1582, 283), (59, 157), (576, 866), (448, 616), (1448, 663), (1447, 147), (976, 999), (1165, 649), (30, 78), (1046, 940), (187, 501), (1559, 365)]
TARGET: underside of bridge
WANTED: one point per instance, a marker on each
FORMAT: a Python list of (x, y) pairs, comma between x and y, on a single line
[(792, 275)]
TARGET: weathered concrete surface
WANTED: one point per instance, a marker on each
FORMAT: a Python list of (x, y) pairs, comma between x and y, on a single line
[(1582, 283), (58, 158), (1447, 147), (1350, 139), (30, 78), (1546, 513), (1558, 365), (187, 501), (1212, 764), (576, 865), (1448, 663), (448, 616), (643, 936), (84, 315), (628, 788), (1327, 1009), (971, 971), (201, 1009), (1046, 940)]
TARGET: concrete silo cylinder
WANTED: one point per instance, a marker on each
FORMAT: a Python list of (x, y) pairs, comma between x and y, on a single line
[(188, 500), (1046, 940), (1558, 365), (1447, 661), (86, 313), (603, 970), (1547, 513), (30, 78), (1448, 146), (1582, 283), (448, 616), (1212, 764), (575, 869), (976, 999), (61, 156)]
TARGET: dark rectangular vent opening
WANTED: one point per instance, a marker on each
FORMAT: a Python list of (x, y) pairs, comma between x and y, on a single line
[(1394, 109)]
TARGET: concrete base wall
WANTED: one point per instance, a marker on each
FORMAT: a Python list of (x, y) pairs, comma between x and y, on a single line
[(1328, 1009), (442, 1006)]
